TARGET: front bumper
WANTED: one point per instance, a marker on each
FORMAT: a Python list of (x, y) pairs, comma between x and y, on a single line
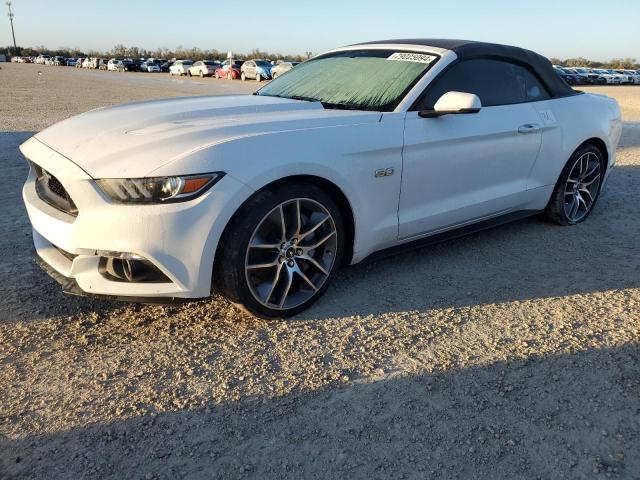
[(179, 239)]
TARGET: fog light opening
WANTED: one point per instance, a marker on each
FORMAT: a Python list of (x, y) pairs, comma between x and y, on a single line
[(132, 270)]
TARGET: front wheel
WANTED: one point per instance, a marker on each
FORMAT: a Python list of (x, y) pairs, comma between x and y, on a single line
[(280, 251), (578, 187)]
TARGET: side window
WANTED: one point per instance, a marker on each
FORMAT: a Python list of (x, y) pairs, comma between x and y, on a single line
[(495, 82)]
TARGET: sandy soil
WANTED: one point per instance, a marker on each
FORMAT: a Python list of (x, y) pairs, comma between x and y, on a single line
[(507, 354)]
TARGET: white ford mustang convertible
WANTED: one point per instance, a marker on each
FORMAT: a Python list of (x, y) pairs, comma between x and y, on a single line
[(262, 197)]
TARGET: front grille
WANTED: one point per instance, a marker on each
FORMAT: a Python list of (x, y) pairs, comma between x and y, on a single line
[(51, 191)]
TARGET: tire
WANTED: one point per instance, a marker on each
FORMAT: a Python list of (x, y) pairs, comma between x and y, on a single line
[(275, 75), (233, 274), (201, 74), (258, 77), (189, 73), (243, 76), (581, 178)]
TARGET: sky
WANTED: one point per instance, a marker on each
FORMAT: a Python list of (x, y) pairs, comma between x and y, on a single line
[(596, 29)]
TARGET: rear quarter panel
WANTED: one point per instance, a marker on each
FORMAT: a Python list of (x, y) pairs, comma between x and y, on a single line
[(566, 124)]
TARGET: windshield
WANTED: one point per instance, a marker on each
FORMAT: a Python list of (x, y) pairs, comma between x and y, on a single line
[(356, 79)]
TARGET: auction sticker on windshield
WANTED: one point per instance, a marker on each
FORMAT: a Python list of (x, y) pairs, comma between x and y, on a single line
[(412, 57)]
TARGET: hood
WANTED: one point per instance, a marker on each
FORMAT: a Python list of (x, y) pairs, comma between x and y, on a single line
[(135, 139)]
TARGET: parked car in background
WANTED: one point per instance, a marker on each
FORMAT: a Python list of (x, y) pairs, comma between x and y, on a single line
[(103, 64), (592, 78), (3, 57), (203, 68), (257, 69), (165, 65), (579, 79), (41, 59), (59, 61), (133, 64), (71, 62), (635, 75), (112, 64), (627, 78), (282, 67), (180, 67), (567, 77), (608, 76), (150, 67), (230, 72)]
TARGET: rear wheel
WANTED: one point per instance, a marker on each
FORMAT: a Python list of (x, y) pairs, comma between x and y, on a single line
[(578, 187), (281, 250)]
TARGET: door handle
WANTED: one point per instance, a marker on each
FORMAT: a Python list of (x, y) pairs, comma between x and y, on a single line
[(529, 128)]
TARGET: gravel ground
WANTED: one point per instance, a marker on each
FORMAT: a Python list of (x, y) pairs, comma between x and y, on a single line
[(512, 353)]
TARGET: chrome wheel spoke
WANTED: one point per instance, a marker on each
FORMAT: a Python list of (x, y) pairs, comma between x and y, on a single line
[(283, 225), (287, 288), (315, 263), (314, 228), (587, 183), (274, 283), (317, 244), (574, 208), (306, 279), (298, 218), (586, 191), (263, 265)]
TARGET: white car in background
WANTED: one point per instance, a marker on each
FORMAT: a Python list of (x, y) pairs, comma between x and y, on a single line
[(171, 199), (150, 67), (180, 67), (112, 65), (612, 79), (203, 68)]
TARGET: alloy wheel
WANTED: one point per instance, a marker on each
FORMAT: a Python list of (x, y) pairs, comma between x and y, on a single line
[(291, 254), (582, 186)]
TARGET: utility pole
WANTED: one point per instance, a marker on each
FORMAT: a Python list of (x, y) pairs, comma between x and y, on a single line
[(15, 47)]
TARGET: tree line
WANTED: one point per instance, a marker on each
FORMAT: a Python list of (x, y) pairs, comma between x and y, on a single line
[(616, 63), (121, 51)]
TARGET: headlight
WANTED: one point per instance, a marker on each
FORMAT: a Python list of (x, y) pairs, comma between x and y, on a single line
[(157, 189)]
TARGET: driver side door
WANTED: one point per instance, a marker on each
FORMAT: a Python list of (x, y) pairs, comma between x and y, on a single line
[(462, 168)]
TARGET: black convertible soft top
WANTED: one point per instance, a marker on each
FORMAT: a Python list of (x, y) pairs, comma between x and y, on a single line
[(466, 49)]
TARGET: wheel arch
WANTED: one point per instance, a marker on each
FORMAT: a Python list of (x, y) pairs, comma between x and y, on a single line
[(328, 186), (600, 145)]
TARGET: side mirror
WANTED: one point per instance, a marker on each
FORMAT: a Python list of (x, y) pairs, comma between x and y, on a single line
[(453, 103)]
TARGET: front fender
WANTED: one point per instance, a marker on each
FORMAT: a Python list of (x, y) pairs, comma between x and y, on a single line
[(345, 155)]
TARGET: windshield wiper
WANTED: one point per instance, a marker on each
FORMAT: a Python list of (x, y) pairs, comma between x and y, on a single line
[(304, 99)]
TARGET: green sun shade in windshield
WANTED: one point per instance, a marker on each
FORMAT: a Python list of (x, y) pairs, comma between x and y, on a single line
[(365, 83)]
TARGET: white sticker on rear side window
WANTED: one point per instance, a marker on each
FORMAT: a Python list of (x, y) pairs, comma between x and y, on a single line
[(411, 57)]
